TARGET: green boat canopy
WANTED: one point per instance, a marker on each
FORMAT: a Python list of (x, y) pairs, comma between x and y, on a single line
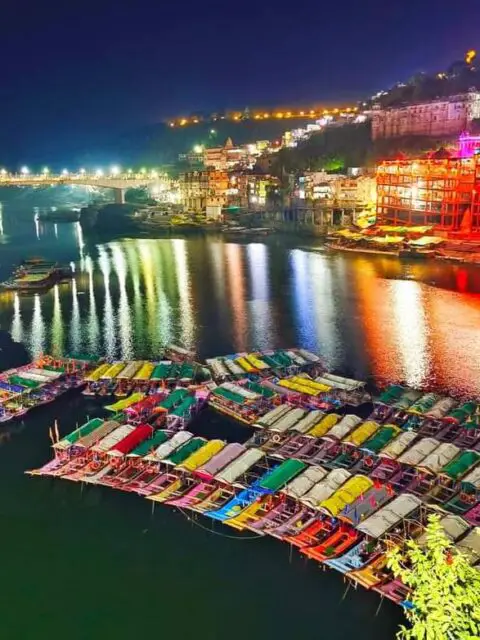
[(461, 464), (180, 455), (282, 474), (84, 430), (147, 445), (381, 438)]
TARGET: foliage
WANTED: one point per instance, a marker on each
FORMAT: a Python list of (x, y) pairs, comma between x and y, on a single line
[(444, 588), (458, 78)]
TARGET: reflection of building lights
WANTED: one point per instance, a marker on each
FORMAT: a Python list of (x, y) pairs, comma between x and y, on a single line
[(124, 317), (37, 331), (58, 334), (17, 324)]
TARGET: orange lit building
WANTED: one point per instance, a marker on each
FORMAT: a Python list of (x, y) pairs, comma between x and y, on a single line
[(442, 192)]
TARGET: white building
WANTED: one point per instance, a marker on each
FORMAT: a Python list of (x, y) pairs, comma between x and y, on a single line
[(446, 116)]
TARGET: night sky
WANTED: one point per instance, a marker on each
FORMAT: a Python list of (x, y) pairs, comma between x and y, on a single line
[(76, 73)]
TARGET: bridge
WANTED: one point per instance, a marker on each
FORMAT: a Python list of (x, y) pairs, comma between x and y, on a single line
[(119, 182)]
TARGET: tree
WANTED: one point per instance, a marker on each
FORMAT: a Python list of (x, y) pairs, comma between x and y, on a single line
[(444, 601)]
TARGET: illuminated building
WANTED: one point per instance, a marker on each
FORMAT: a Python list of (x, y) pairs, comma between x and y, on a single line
[(435, 191), (250, 191), (217, 157), (230, 157), (468, 145), (446, 116)]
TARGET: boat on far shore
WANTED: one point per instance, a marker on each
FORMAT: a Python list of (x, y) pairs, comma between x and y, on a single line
[(36, 274)]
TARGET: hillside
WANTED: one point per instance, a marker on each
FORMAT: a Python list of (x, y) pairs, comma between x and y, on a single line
[(159, 144)]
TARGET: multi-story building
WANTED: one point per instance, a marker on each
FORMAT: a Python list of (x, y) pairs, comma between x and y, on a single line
[(438, 191), (250, 191), (204, 191), (446, 116)]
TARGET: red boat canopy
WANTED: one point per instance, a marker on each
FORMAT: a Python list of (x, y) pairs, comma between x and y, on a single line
[(132, 440)]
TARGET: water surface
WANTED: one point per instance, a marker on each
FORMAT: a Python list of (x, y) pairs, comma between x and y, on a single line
[(96, 563)]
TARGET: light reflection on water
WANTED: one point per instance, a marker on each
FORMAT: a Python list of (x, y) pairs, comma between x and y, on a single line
[(413, 323)]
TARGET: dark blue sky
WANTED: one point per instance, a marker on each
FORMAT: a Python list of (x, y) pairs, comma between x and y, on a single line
[(72, 72)]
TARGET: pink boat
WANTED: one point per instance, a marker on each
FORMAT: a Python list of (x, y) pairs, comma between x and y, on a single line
[(196, 494), (142, 481), (473, 516), (394, 590), (161, 482), (220, 461)]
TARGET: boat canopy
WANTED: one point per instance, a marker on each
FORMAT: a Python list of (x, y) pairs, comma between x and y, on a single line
[(418, 452), (17, 384), (97, 373), (309, 421), (174, 398), (338, 382), (145, 371), (220, 460), (183, 409), (145, 447), (228, 395), (113, 438), (344, 427), (326, 487), (401, 443), (462, 412), (454, 528), (272, 416), (166, 448), (95, 436), (464, 461), (131, 440), (365, 504), (407, 399), (81, 432), (470, 546), (233, 367), (288, 420), (202, 455), (425, 403), (346, 494), (300, 485), (186, 450), (441, 408), (324, 426), (130, 370), (241, 391), (125, 402), (440, 457), (48, 374), (311, 357), (381, 438), (390, 515), (113, 371), (282, 474), (392, 394), (473, 477), (240, 465), (362, 433)]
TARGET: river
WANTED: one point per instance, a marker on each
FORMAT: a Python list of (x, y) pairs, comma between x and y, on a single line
[(97, 563)]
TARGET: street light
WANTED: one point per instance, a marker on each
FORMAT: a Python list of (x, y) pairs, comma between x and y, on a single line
[(99, 173), (212, 132), (45, 171), (153, 173), (115, 170), (3, 172), (143, 171), (82, 172), (65, 172), (25, 171)]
